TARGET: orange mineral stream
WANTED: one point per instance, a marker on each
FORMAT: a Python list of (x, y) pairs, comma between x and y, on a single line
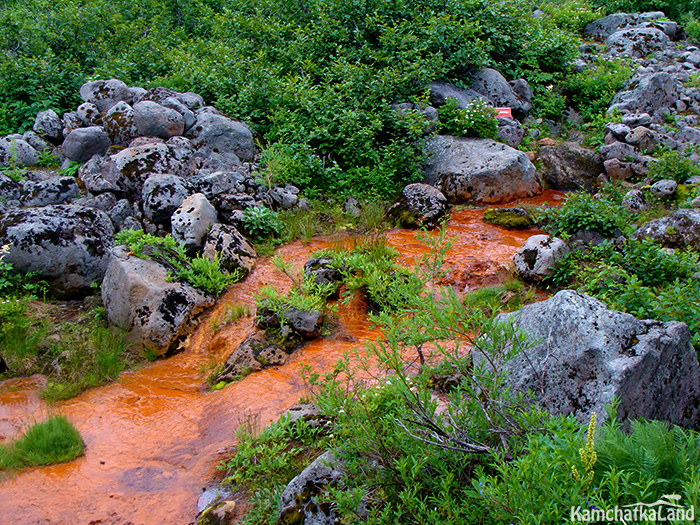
[(153, 438)]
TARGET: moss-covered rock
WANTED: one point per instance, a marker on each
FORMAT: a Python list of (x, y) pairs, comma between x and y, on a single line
[(509, 218)]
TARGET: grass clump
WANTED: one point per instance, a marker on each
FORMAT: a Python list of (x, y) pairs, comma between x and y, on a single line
[(200, 272), (53, 441), (508, 219), (673, 165)]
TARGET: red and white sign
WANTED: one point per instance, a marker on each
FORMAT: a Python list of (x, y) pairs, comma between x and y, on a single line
[(504, 112)]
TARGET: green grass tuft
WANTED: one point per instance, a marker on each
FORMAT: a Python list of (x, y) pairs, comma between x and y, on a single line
[(53, 441)]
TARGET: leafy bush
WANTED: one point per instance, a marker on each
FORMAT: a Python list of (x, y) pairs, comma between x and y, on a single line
[(674, 9), (262, 221), (570, 14), (582, 211), (592, 90), (692, 29), (53, 441), (476, 120), (638, 278), (199, 271), (674, 165)]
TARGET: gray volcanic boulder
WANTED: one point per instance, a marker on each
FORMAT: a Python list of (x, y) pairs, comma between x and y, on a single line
[(606, 26), (234, 250), (419, 205), (105, 93), (637, 42), (678, 230), (191, 221), (17, 151), (214, 133), (162, 194), (584, 355), (139, 298), (321, 270), (568, 166), (479, 170), (68, 244), (303, 501), (55, 190), (648, 93), (634, 201), (537, 258), (663, 189), (500, 92), (89, 114), (129, 168), (154, 120), (82, 143), (441, 91), (175, 104), (119, 124), (49, 125)]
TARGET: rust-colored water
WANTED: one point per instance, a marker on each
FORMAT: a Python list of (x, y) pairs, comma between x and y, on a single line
[(154, 438)]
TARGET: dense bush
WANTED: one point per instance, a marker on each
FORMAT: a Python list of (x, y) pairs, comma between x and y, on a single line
[(673, 165), (674, 9), (476, 120), (581, 212), (317, 79), (592, 90)]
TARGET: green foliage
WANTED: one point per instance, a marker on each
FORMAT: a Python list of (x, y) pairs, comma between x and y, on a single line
[(570, 14), (674, 165), (592, 90), (53, 441), (638, 278), (319, 93), (674, 9), (200, 272), (261, 221), (476, 120), (229, 315), (582, 211), (264, 463), (71, 169), (692, 29)]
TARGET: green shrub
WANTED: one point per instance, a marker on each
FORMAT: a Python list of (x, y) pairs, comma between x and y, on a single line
[(476, 120), (53, 441), (262, 221), (592, 90), (673, 165), (570, 14), (692, 29), (582, 211), (199, 271), (674, 9)]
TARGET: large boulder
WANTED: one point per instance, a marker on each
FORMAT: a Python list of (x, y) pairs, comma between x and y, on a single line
[(233, 250), (479, 170), (606, 26), (162, 194), (637, 42), (67, 244), (441, 91), (584, 355), (191, 221), (303, 500), (82, 143), (214, 133), (140, 298), (679, 230), (49, 125), (55, 190), (648, 93), (154, 120), (538, 257), (105, 93), (17, 152), (516, 95), (119, 124), (568, 166), (419, 205)]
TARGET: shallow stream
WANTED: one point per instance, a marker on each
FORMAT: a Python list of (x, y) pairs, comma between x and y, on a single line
[(154, 438)]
